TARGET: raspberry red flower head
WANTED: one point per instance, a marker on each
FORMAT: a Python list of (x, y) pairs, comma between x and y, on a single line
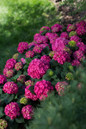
[(27, 112), (81, 30), (22, 47), (64, 35), (40, 39), (75, 38), (37, 68), (59, 44), (60, 87), (18, 66), (8, 73), (56, 28), (75, 62), (42, 88), (29, 54), (12, 110), (45, 58), (29, 94), (23, 61), (10, 88), (37, 49), (2, 79), (61, 57), (52, 37), (10, 63), (71, 27)]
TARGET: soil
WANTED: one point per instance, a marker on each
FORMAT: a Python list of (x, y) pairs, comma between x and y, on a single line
[(67, 17)]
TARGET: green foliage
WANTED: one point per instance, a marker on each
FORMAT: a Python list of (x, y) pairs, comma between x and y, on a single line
[(61, 112), (19, 21)]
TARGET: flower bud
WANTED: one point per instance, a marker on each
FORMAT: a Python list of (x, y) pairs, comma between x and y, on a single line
[(23, 100)]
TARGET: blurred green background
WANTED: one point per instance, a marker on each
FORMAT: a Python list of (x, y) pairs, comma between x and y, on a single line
[(19, 21)]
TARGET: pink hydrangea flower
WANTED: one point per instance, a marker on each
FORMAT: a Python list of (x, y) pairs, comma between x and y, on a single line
[(29, 54), (18, 66), (8, 72), (78, 55), (27, 112), (21, 78), (2, 79), (40, 39), (81, 46), (10, 63), (75, 63), (59, 44), (75, 38), (30, 95), (22, 47), (60, 87), (64, 35), (37, 49), (10, 88), (23, 61), (71, 27), (81, 30), (56, 28), (12, 110), (42, 88), (61, 57), (44, 28), (37, 68), (52, 37), (45, 58), (36, 36), (44, 45), (81, 23), (32, 44)]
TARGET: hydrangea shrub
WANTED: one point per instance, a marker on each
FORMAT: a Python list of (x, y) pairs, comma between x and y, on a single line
[(41, 67)]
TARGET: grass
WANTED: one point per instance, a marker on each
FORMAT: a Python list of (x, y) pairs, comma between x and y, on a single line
[(19, 21)]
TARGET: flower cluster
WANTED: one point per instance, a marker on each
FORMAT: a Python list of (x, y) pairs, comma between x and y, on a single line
[(60, 87), (29, 54), (22, 47), (10, 88), (30, 95), (2, 79), (10, 63), (18, 66), (27, 112), (56, 28), (42, 88), (37, 68), (12, 110)]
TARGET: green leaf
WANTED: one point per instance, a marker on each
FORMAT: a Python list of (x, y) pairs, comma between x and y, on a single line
[(19, 119), (46, 50), (0, 91), (31, 88), (1, 112), (28, 60)]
